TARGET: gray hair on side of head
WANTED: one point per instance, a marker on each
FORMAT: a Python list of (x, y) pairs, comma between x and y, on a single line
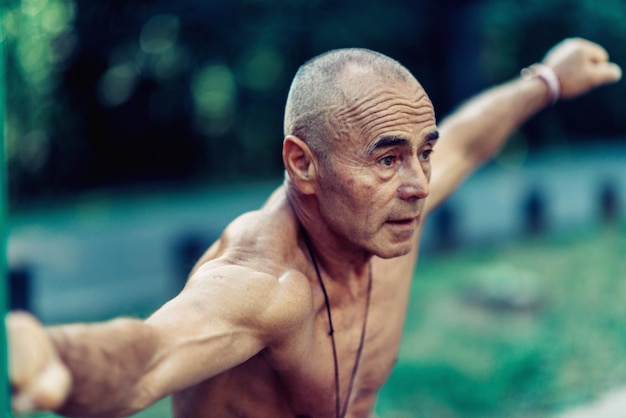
[(315, 92)]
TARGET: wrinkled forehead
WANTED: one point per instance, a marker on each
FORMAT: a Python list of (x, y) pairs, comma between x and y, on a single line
[(375, 102)]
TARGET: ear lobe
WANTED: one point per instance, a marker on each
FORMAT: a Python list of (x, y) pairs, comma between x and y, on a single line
[(298, 160)]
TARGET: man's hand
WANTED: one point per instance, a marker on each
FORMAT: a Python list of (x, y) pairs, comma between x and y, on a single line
[(39, 379), (581, 65)]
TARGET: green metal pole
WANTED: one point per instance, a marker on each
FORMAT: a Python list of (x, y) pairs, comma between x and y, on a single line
[(5, 409)]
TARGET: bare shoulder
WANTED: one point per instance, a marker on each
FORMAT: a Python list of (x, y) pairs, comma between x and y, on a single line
[(250, 277), (249, 297), (260, 238)]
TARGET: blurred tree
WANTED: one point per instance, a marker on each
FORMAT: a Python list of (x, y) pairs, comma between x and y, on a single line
[(518, 33), (128, 94)]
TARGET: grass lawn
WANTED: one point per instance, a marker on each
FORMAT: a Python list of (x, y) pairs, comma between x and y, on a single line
[(522, 330), (518, 331)]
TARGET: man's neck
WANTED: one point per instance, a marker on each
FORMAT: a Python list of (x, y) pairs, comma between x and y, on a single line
[(337, 258)]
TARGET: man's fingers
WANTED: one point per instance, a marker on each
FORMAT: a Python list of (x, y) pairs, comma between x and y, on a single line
[(38, 377), (47, 392), (608, 73), (605, 71), (23, 346), (597, 53), (52, 387), (22, 403)]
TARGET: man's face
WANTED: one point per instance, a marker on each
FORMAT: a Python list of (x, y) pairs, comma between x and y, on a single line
[(373, 187)]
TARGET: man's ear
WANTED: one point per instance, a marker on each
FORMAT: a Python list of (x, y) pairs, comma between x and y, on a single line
[(298, 159)]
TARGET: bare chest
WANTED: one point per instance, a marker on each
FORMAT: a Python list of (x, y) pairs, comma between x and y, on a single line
[(304, 375), (327, 373)]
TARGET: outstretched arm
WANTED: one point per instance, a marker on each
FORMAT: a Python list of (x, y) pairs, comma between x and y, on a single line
[(480, 127), (224, 316)]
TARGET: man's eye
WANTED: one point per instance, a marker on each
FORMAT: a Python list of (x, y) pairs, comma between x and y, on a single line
[(426, 154), (388, 160)]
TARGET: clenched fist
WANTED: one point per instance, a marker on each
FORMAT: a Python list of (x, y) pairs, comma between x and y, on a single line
[(39, 379), (581, 65)]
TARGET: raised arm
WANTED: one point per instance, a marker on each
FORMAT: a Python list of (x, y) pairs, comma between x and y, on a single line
[(224, 316), (476, 131)]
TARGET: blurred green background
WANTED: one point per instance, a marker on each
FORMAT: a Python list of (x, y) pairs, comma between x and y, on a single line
[(136, 129), (107, 94)]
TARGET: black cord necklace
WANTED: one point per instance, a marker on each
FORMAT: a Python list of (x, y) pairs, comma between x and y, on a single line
[(341, 412)]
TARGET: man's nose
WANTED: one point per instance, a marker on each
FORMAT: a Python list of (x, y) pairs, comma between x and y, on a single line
[(414, 181)]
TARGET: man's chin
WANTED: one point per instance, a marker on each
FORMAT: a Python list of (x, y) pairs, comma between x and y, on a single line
[(398, 251)]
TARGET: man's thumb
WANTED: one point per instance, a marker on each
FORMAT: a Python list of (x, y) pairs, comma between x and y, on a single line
[(608, 73)]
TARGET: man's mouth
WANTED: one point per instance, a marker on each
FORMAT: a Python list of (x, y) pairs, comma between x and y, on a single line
[(403, 221)]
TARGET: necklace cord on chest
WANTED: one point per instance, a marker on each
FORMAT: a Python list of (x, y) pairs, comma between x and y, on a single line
[(339, 411)]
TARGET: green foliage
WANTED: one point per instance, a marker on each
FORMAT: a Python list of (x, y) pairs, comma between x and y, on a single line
[(519, 32), (463, 356), (109, 94)]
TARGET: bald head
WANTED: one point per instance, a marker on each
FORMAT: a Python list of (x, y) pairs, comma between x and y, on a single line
[(320, 88)]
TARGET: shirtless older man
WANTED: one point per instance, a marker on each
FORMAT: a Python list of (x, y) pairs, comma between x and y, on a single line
[(298, 309)]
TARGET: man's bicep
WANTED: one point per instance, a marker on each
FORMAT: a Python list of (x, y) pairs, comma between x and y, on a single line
[(219, 321), (196, 343)]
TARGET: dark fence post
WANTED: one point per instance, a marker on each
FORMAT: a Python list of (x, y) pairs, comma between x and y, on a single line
[(609, 204), (446, 234), (20, 286), (535, 213)]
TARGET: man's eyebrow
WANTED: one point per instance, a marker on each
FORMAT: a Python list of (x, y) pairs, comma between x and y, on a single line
[(394, 141), (433, 136), (389, 141)]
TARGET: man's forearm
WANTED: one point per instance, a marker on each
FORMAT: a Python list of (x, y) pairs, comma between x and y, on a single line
[(108, 362), (478, 130), (481, 126)]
